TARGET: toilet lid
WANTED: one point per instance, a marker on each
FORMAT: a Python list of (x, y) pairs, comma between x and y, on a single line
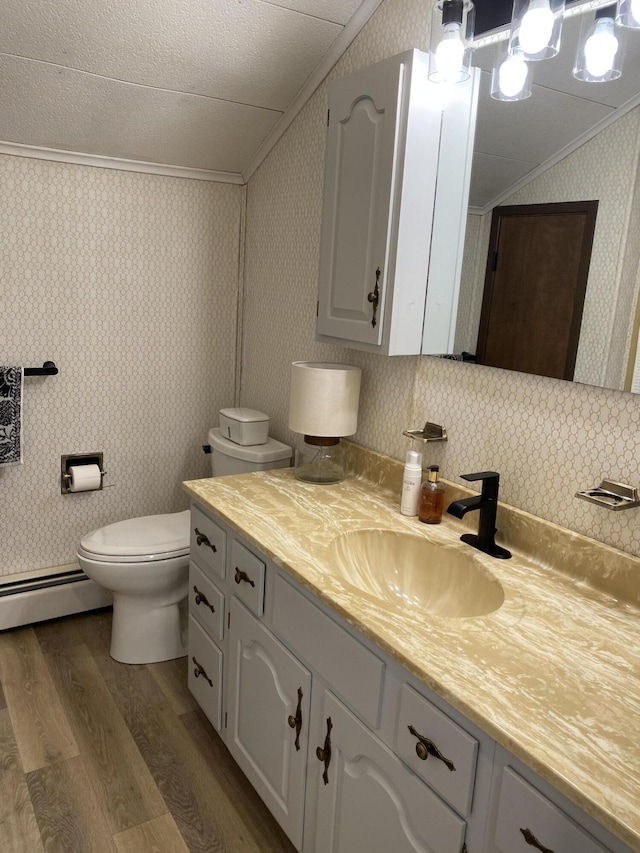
[(154, 537)]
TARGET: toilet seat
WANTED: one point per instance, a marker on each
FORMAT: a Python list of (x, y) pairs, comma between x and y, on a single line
[(136, 540)]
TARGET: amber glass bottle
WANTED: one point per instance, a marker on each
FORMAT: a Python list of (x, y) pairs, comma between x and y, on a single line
[(431, 498)]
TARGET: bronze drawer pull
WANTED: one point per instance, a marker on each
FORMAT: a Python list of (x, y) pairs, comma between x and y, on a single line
[(530, 838), (201, 539), (200, 671), (324, 753), (201, 598), (243, 576), (296, 722), (426, 747)]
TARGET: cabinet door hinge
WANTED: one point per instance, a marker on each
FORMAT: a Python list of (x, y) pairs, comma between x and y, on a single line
[(318, 308), (228, 620), (328, 114), (225, 725)]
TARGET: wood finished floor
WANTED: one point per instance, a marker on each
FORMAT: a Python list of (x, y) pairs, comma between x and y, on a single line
[(102, 757)]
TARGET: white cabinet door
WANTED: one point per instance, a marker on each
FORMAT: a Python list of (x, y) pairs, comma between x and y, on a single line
[(390, 145), (368, 801), (268, 716), (377, 209)]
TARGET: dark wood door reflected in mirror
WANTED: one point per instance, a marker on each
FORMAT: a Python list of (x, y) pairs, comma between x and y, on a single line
[(535, 284)]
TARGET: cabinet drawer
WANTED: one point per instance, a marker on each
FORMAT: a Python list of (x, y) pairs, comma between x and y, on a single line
[(528, 821), (206, 602), (247, 573), (355, 673), (205, 673), (452, 777), (207, 542)]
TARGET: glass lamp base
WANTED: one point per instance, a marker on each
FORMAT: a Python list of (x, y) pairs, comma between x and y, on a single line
[(322, 465)]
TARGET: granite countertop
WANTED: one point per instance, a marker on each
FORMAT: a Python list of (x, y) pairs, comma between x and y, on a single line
[(553, 675)]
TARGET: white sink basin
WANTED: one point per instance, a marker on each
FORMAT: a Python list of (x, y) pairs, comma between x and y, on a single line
[(407, 571)]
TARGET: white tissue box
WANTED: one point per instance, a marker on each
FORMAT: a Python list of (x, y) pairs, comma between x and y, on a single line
[(244, 426)]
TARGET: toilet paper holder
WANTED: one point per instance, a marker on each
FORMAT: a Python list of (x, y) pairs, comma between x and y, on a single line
[(79, 459)]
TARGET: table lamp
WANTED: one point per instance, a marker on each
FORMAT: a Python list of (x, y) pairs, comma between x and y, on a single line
[(323, 407)]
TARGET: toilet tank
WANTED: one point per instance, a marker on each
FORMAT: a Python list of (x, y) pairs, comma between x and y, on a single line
[(227, 457)]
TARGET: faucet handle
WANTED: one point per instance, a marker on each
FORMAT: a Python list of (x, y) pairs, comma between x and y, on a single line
[(481, 475), (490, 483)]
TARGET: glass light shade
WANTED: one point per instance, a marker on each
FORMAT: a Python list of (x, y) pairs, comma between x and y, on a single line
[(628, 14), (452, 25), (536, 27), (510, 77), (600, 51)]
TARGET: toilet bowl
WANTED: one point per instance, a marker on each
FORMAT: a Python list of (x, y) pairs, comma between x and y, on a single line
[(144, 562)]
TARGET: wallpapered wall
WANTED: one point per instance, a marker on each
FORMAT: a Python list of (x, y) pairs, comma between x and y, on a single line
[(547, 438), (129, 283), (607, 321)]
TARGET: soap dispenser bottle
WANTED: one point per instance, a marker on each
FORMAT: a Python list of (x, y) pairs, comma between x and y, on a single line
[(431, 497), (411, 483)]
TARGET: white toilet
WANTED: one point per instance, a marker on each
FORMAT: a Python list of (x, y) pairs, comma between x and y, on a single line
[(144, 562)]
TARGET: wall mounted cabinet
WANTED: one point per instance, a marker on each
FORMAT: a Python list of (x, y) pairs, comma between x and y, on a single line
[(351, 753), (397, 168)]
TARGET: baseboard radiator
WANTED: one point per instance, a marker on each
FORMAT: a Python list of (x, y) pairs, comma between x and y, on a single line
[(47, 594)]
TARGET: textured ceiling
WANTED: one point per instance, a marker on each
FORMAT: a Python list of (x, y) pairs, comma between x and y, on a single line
[(196, 84), (203, 84)]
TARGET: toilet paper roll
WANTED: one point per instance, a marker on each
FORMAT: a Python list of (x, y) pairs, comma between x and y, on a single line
[(84, 478)]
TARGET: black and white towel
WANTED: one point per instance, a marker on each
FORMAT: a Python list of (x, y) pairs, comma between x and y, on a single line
[(10, 415)]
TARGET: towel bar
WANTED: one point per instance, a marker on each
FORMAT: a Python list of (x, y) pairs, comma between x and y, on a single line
[(48, 369)]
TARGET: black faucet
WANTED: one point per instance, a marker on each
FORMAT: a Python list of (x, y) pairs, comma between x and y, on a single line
[(487, 503)]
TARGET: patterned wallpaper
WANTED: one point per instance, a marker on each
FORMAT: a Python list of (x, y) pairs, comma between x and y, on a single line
[(612, 285), (129, 283), (547, 438)]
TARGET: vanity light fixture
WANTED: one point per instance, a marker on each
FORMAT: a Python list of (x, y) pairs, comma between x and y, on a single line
[(600, 53), (451, 41), (323, 406)]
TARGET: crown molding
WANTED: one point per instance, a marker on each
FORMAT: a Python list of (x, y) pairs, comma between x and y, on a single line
[(60, 156)]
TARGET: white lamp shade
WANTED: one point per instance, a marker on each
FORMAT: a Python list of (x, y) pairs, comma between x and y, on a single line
[(324, 399)]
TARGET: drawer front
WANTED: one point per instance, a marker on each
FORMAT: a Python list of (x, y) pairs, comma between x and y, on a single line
[(206, 602), (433, 734), (246, 574), (205, 673), (528, 821), (207, 543), (354, 672)]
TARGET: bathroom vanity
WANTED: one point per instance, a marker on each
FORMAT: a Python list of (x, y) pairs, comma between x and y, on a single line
[(370, 723)]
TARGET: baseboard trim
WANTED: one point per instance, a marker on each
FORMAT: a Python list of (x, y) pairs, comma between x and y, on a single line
[(36, 596)]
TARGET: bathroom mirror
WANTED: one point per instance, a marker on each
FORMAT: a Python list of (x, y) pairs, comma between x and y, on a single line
[(570, 141)]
